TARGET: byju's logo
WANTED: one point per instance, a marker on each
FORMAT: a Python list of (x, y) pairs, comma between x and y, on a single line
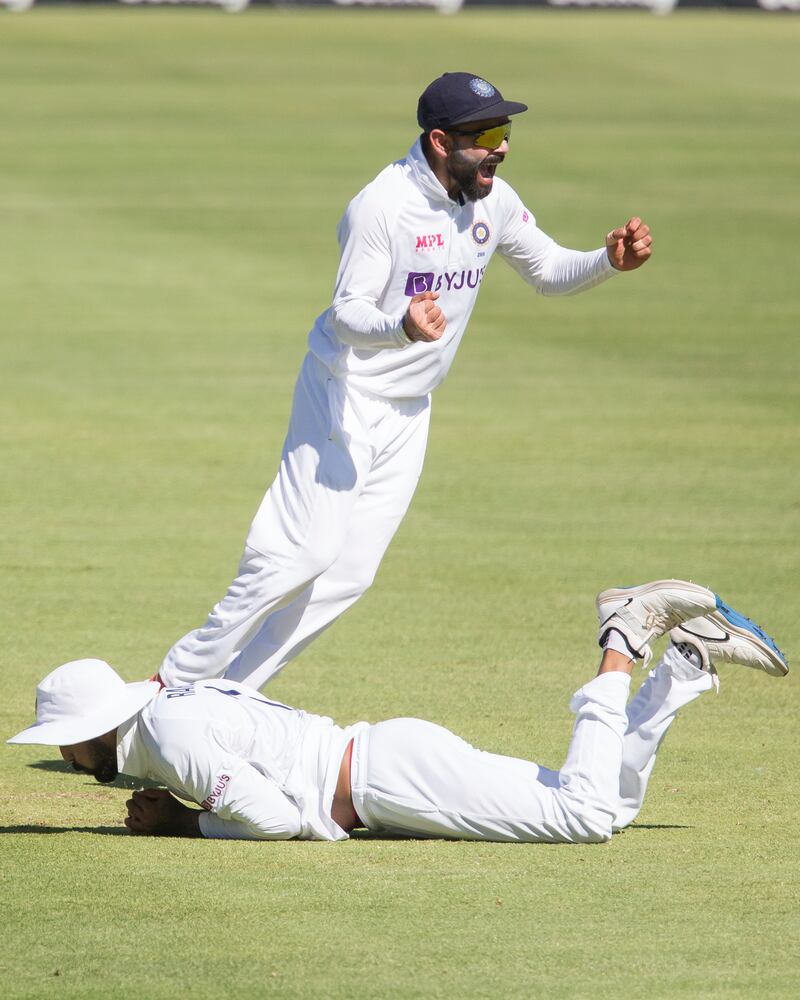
[(210, 801), (418, 283), (451, 281)]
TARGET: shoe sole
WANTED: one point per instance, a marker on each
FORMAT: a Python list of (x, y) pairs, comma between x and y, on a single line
[(739, 625), (628, 594)]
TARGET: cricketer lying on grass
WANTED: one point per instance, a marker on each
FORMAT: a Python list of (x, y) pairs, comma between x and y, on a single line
[(262, 770), (415, 244)]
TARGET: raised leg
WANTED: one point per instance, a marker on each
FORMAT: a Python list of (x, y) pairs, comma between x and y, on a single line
[(674, 683)]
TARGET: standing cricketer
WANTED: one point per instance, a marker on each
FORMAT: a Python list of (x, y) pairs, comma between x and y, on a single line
[(415, 244)]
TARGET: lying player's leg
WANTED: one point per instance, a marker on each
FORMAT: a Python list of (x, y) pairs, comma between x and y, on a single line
[(687, 670), (674, 683), (414, 778)]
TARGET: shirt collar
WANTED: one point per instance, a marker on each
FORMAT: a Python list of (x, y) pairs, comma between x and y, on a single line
[(426, 179), (132, 755)]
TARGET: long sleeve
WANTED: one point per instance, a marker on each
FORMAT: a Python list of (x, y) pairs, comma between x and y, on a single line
[(539, 260), (251, 807), (364, 270), (200, 762)]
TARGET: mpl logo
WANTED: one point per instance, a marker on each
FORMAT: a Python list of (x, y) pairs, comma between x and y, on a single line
[(432, 241)]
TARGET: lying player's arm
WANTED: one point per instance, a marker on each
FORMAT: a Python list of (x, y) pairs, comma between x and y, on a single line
[(257, 810), (251, 807), (198, 757)]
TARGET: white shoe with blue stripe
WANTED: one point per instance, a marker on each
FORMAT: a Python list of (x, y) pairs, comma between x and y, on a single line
[(725, 636)]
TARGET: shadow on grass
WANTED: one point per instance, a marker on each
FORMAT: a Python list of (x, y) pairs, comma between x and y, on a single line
[(366, 835), (384, 835), (121, 781), (656, 826), (361, 834), (105, 831)]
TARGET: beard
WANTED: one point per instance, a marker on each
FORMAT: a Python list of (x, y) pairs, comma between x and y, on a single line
[(104, 764), (466, 173)]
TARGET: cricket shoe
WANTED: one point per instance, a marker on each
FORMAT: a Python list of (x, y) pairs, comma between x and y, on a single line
[(642, 614), (725, 636)]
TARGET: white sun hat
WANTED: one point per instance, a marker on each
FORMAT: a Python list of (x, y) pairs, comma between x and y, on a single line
[(81, 700)]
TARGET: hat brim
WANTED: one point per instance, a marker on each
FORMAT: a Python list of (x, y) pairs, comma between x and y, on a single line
[(497, 110), (65, 732)]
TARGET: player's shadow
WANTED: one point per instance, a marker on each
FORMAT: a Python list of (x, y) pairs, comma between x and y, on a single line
[(51, 765), (61, 767), (121, 781), (656, 826), (360, 834), (104, 831)]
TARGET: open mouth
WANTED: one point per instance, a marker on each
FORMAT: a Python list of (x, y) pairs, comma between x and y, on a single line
[(487, 170)]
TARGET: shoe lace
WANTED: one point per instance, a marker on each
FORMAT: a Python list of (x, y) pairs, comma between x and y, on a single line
[(658, 619)]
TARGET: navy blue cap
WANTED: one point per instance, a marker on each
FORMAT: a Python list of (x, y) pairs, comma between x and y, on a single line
[(455, 98)]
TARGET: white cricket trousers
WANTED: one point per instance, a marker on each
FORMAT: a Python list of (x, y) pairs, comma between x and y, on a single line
[(411, 777), (349, 468)]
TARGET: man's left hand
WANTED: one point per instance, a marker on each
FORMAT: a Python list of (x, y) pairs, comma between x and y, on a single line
[(629, 246)]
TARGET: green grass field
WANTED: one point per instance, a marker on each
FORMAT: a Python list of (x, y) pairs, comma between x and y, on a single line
[(170, 183)]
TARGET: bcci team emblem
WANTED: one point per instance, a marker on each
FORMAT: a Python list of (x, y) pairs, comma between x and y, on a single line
[(480, 233), (481, 87)]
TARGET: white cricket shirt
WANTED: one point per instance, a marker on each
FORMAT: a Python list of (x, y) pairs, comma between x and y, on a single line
[(259, 769), (402, 235)]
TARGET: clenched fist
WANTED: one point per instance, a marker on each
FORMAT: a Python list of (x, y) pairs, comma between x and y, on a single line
[(629, 246), (424, 320), (154, 811)]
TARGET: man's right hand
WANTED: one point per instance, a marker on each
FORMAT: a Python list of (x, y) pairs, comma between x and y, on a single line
[(156, 812), (424, 320)]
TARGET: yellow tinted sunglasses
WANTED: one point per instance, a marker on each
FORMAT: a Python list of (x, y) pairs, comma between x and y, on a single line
[(488, 138)]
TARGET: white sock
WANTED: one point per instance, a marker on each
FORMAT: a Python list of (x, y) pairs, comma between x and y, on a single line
[(616, 641)]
